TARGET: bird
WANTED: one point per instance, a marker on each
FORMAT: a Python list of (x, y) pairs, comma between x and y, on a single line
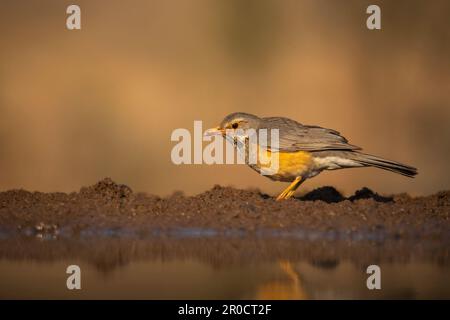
[(303, 151)]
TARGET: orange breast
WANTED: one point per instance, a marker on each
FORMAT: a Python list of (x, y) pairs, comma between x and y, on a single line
[(290, 164)]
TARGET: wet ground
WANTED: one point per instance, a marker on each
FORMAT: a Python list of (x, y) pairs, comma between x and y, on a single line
[(224, 243)]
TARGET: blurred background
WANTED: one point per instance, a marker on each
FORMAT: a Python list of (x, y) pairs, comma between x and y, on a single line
[(78, 106)]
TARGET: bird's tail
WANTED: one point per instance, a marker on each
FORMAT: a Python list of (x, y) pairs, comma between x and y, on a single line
[(374, 161)]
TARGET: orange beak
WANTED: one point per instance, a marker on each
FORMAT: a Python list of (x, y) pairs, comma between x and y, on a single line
[(214, 132)]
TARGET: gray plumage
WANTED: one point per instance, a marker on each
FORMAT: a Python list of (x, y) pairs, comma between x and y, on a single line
[(368, 160), (294, 136)]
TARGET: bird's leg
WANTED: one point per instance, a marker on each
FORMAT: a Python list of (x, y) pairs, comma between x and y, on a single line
[(289, 191), (293, 188)]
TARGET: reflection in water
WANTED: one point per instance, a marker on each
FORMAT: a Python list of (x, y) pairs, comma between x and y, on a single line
[(279, 290), (220, 268)]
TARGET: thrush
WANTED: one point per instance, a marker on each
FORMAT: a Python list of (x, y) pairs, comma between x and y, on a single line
[(303, 151)]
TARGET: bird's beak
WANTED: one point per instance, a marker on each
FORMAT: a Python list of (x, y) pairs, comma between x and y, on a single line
[(214, 132)]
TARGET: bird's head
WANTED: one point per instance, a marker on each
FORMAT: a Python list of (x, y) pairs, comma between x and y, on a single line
[(236, 124)]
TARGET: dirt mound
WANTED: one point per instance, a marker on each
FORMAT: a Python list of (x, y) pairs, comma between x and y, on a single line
[(108, 190), (111, 205)]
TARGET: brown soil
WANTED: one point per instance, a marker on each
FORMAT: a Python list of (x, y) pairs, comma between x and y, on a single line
[(321, 213)]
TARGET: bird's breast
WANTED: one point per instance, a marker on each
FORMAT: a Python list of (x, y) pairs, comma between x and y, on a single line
[(290, 164)]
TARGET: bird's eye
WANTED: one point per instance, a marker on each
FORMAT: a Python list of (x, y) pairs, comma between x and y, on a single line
[(234, 125)]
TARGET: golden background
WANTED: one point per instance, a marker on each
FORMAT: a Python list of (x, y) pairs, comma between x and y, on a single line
[(77, 106)]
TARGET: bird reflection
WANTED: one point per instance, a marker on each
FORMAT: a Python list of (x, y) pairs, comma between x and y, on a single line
[(290, 289)]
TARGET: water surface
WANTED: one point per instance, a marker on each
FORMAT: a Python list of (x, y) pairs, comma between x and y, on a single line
[(204, 264)]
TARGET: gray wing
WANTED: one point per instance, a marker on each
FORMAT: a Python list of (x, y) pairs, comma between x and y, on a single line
[(297, 137)]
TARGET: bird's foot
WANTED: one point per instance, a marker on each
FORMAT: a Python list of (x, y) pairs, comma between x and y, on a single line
[(289, 191)]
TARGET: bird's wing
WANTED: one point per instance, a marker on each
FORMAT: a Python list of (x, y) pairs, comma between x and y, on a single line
[(294, 136)]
